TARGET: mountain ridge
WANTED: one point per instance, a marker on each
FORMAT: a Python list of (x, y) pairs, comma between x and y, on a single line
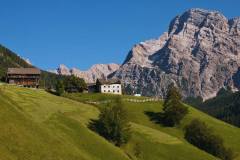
[(200, 54), (91, 75)]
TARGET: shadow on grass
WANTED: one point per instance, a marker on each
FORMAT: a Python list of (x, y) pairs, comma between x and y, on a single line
[(156, 117), (96, 126)]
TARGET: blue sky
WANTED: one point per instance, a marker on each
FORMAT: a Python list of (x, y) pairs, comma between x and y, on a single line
[(80, 33)]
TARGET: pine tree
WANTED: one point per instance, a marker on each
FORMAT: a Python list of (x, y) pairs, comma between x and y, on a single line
[(174, 110)]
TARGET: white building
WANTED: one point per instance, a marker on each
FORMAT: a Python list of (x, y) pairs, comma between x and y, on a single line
[(112, 86)]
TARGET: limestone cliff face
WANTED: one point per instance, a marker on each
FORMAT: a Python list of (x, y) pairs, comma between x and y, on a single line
[(200, 53)]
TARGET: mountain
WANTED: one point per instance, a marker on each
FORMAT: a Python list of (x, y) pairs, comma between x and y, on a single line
[(200, 54), (91, 75)]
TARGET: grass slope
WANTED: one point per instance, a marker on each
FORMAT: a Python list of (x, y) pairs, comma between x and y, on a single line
[(36, 125), (230, 134), (169, 143), (97, 97)]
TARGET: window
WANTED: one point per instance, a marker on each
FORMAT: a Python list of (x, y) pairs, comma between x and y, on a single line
[(113, 86), (117, 86), (104, 86), (104, 90), (108, 90), (113, 91), (108, 86), (118, 91)]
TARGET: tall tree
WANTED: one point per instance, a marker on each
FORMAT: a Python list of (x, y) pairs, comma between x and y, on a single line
[(173, 108), (113, 123), (59, 87)]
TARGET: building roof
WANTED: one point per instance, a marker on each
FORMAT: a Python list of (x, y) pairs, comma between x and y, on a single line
[(109, 81), (23, 71)]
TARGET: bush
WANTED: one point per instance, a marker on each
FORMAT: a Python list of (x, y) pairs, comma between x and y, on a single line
[(173, 109), (198, 134), (113, 123)]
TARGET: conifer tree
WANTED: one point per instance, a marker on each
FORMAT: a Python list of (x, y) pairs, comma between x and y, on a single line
[(174, 110), (59, 87), (114, 124)]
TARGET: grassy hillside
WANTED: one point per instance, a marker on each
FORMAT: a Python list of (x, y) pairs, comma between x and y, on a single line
[(229, 133), (98, 97), (168, 142), (36, 125)]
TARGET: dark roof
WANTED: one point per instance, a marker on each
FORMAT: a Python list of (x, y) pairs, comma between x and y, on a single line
[(91, 84), (109, 81), (23, 71)]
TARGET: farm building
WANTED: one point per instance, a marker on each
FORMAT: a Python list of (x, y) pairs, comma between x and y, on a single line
[(112, 86), (28, 77)]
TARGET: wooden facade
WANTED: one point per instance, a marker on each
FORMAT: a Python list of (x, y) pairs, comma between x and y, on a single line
[(28, 77)]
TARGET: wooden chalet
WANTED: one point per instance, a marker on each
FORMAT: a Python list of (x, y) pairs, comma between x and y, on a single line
[(27, 77)]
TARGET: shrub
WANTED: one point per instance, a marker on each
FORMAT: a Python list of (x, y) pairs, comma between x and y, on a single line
[(173, 109), (198, 134)]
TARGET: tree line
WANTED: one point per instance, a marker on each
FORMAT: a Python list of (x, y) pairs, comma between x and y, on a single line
[(225, 106), (70, 84)]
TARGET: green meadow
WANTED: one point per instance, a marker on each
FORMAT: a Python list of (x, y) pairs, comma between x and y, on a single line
[(36, 125)]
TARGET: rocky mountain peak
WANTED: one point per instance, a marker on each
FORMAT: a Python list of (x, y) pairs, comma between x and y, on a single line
[(200, 53), (63, 70), (140, 52), (197, 19)]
